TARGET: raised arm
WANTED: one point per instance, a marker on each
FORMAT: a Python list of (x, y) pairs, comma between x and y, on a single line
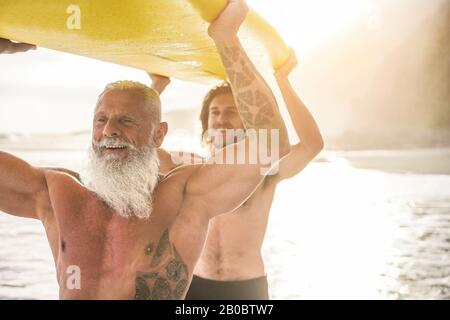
[(159, 83), (23, 188), (254, 99), (311, 142), (170, 160), (221, 188)]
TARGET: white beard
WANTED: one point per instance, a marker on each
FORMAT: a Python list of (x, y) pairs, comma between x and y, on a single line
[(125, 185)]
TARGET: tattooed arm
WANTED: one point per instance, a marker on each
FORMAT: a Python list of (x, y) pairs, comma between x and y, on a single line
[(254, 99), (218, 188)]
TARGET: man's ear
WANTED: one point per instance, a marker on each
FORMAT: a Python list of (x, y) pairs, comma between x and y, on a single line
[(160, 133)]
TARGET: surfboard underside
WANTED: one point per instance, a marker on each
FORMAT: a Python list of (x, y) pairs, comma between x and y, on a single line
[(165, 37)]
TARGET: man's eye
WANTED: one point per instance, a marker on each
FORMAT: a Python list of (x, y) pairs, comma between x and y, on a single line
[(101, 120), (215, 113)]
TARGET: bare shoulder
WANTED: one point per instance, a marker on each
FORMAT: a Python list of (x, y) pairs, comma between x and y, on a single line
[(170, 193), (174, 184), (186, 158), (71, 173), (180, 174), (166, 163), (169, 161), (64, 187), (67, 195), (61, 176)]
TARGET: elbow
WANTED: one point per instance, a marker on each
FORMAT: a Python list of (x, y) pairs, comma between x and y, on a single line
[(320, 145), (285, 148), (317, 146)]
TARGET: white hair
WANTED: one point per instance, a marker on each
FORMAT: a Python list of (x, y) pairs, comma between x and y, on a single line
[(149, 94)]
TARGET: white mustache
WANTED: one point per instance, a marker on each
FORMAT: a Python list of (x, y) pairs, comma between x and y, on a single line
[(113, 143)]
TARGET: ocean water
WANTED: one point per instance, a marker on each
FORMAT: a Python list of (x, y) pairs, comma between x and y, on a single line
[(352, 225)]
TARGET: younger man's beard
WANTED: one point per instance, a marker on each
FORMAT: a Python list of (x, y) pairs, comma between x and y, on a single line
[(126, 185)]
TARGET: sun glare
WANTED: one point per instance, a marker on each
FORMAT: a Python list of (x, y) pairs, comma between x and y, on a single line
[(305, 24)]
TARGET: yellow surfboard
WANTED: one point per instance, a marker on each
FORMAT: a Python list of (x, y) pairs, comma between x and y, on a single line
[(167, 37)]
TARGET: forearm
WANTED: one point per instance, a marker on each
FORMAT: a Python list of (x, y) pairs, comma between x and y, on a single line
[(158, 86), (255, 101), (305, 126), (159, 83)]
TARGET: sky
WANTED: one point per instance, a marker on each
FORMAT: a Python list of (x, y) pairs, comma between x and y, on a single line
[(49, 91)]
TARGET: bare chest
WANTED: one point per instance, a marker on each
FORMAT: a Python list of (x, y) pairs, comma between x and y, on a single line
[(114, 256)]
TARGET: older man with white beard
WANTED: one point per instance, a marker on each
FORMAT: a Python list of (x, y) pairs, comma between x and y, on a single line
[(126, 184), (122, 235)]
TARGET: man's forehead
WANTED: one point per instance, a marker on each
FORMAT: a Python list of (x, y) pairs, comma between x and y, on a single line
[(223, 99), (224, 107), (122, 100)]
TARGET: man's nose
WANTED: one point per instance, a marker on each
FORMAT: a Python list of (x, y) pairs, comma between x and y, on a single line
[(221, 119), (110, 129)]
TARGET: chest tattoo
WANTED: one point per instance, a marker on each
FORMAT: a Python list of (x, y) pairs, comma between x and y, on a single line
[(168, 277)]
